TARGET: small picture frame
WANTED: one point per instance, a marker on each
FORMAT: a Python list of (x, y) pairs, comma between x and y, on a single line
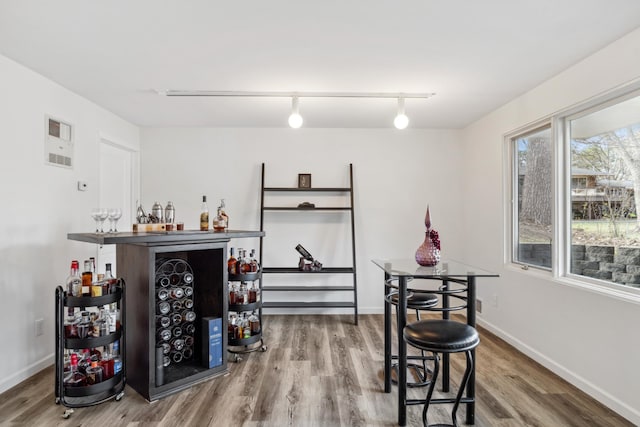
[(304, 180)]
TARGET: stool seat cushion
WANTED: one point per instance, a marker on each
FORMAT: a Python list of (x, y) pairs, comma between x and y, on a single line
[(417, 300), (442, 336)]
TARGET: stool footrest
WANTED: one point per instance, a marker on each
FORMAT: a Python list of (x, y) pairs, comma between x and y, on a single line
[(441, 400)]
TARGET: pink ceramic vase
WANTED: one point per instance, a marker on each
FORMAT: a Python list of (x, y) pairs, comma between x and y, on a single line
[(428, 254)]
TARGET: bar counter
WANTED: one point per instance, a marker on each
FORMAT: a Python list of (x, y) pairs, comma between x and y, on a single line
[(138, 259)]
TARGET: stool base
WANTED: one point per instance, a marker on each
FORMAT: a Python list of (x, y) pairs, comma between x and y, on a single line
[(424, 378)]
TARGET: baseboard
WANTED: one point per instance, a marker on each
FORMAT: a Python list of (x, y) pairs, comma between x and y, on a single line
[(613, 403), (25, 373)]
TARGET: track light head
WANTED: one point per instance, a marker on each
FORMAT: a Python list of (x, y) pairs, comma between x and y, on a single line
[(295, 119), (401, 121)]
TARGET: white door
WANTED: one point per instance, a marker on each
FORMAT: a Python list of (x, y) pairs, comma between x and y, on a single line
[(116, 190)]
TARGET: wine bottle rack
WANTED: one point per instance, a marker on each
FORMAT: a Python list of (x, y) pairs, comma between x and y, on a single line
[(175, 318)]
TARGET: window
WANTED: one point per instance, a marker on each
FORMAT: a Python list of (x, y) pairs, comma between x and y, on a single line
[(583, 223), (533, 166), (604, 150)]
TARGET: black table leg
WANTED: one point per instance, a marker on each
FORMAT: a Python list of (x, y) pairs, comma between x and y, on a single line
[(402, 351), (471, 321), (445, 356), (387, 337)]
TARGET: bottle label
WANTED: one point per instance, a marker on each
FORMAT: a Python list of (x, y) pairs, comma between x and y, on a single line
[(204, 221)]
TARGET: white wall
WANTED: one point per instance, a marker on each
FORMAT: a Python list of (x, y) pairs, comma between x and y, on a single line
[(588, 338), (396, 173), (40, 205)]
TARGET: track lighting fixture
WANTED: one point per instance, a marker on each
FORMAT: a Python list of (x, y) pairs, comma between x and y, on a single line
[(401, 120), (295, 119)]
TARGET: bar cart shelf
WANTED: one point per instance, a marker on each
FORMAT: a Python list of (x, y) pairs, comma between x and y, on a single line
[(239, 346), (111, 388)]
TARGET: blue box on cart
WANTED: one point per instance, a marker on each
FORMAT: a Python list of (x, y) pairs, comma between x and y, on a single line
[(211, 341)]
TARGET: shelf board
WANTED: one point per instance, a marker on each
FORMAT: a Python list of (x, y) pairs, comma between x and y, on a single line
[(295, 270), (293, 208), (310, 288), (315, 189), (307, 304)]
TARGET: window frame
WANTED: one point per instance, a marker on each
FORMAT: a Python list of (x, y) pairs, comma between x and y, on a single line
[(513, 194), (560, 271)]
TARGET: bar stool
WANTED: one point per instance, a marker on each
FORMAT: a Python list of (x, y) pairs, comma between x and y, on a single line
[(415, 301), (446, 337)]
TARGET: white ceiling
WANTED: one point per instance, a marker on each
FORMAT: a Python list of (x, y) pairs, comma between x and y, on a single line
[(475, 55)]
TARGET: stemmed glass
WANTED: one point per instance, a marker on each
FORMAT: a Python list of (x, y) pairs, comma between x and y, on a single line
[(103, 214), (114, 216), (95, 214)]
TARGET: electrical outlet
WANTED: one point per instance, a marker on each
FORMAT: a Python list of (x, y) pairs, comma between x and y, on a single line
[(478, 305), (494, 301), (39, 324)]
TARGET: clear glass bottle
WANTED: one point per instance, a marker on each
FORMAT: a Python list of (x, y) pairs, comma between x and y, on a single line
[(221, 219), (204, 215), (87, 278), (254, 324), (254, 265), (74, 282)]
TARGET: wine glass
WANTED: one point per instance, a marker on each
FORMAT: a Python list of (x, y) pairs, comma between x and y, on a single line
[(95, 214), (114, 216), (103, 214)]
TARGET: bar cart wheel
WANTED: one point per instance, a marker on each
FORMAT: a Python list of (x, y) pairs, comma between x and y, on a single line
[(57, 400), (119, 396), (263, 348), (67, 413)]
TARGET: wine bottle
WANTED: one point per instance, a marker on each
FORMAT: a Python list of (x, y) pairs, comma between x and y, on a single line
[(204, 215)]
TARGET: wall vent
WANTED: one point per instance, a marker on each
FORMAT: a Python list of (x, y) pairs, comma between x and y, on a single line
[(58, 143)]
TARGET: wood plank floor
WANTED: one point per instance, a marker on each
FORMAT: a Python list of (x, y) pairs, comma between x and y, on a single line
[(324, 371)]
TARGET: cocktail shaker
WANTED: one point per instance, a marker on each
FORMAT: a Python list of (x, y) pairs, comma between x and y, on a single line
[(169, 213)]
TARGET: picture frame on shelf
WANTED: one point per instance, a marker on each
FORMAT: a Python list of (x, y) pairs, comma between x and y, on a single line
[(304, 180)]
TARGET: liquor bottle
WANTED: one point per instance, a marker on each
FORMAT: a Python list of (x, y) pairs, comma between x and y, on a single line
[(87, 278), (254, 324), (220, 221), (254, 265), (73, 377), (74, 282), (204, 215), (113, 313), (232, 263), (241, 261), (94, 373), (107, 363), (109, 278), (246, 265), (117, 362)]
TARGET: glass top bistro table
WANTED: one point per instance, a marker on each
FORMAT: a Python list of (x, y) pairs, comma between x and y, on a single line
[(400, 274)]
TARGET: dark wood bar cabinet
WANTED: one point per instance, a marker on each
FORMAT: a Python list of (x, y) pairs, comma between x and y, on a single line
[(138, 256)]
